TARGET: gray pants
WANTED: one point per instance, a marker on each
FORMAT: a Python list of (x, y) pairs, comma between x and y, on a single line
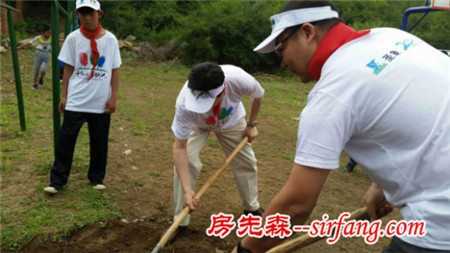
[(40, 63), (399, 246), (243, 167)]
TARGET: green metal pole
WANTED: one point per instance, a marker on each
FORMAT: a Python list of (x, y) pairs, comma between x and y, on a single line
[(67, 24), (15, 58), (9, 7), (69, 27), (71, 10), (55, 73)]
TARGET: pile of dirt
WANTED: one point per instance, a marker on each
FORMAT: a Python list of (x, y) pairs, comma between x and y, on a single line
[(152, 52)]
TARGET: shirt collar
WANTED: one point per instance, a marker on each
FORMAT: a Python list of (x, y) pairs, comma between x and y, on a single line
[(336, 37)]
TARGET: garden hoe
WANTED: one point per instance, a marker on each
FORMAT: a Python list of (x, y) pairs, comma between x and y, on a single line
[(162, 242)]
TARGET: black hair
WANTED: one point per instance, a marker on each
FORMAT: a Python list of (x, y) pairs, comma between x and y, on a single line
[(206, 76), (325, 24), (45, 28), (85, 10)]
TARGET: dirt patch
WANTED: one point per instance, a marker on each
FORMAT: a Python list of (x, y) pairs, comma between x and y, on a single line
[(148, 207), (119, 236), (142, 181)]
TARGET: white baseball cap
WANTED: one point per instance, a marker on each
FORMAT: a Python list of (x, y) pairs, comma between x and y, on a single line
[(284, 20), (205, 83), (200, 101), (93, 4)]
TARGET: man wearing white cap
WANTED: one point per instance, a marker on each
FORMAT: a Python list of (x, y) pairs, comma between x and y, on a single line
[(211, 101), (383, 96)]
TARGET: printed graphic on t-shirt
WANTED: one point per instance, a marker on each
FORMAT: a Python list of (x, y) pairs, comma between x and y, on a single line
[(85, 71), (378, 65), (41, 44), (224, 116)]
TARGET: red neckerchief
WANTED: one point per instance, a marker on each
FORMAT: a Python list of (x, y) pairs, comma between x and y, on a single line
[(94, 49), (334, 39), (216, 109)]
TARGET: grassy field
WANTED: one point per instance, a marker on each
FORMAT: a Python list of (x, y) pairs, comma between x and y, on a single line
[(26, 157), (139, 185)]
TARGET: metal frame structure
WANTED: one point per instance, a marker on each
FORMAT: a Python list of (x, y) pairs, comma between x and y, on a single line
[(70, 25), (15, 59), (423, 9)]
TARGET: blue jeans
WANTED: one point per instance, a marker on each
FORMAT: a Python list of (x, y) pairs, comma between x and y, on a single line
[(98, 125), (40, 63)]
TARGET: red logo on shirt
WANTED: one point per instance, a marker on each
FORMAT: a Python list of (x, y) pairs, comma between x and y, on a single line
[(83, 59), (211, 120)]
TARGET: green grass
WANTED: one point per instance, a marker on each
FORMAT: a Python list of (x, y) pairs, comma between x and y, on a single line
[(285, 156), (155, 173), (61, 214), (146, 97), (26, 159), (27, 156), (136, 133)]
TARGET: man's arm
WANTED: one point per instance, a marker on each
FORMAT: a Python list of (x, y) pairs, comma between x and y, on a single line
[(110, 105), (181, 161), (68, 71), (296, 199), (255, 105)]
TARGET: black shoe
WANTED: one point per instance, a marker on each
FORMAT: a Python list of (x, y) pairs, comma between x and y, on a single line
[(180, 231), (258, 212), (34, 87), (350, 165), (41, 82)]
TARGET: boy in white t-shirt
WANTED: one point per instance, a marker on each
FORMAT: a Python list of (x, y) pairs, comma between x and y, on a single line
[(90, 84), (211, 101), (43, 47), (382, 96)]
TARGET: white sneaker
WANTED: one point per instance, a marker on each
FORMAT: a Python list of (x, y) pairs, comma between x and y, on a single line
[(99, 187), (50, 190)]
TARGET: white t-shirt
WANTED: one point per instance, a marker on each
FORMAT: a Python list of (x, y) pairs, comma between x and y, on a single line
[(42, 44), (384, 98), (84, 96), (238, 83)]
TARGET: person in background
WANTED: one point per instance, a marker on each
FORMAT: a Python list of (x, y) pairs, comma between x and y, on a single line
[(43, 47), (350, 165)]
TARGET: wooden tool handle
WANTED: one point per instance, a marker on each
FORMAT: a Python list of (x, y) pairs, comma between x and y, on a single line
[(162, 242), (305, 240)]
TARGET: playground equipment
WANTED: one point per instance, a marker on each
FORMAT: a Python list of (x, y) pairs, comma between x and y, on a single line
[(435, 5), (55, 72), (70, 25), (15, 59)]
